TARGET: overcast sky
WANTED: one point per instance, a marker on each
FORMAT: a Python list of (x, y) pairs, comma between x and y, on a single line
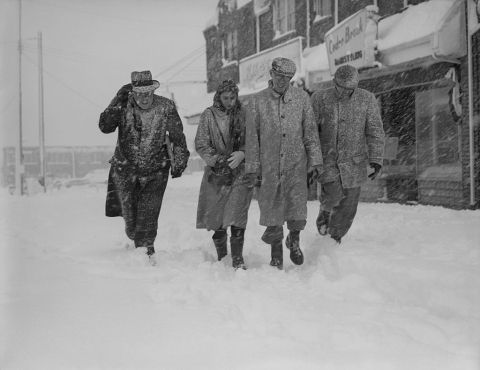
[(90, 48)]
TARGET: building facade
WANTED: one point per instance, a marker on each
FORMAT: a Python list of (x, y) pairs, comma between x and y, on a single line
[(413, 55)]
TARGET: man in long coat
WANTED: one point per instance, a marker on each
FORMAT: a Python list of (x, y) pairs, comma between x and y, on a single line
[(282, 144), (351, 135), (141, 162)]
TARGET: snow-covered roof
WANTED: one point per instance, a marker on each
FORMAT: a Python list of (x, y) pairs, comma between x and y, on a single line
[(213, 21), (415, 23), (241, 3)]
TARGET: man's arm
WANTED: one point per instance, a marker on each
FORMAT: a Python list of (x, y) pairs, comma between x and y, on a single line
[(177, 138), (112, 117), (252, 139), (311, 140)]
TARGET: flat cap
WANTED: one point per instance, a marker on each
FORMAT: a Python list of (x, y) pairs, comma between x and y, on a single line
[(284, 66), (346, 76)]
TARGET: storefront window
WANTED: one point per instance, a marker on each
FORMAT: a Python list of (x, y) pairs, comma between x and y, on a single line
[(438, 146)]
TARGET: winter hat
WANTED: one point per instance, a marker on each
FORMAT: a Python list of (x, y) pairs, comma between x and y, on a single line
[(284, 66), (142, 82), (346, 76)]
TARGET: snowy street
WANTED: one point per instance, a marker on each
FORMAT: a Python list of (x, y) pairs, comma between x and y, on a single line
[(401, 292)]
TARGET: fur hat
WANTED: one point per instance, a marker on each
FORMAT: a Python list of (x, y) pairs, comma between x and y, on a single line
[(142, 82), (346, 76), (284, 66)]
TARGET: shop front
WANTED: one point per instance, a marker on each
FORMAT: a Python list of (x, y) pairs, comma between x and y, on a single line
[(417, 81)]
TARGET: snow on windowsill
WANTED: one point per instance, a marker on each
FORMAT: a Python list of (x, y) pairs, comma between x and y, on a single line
[(319, 18), (279, 35), (226, 63)]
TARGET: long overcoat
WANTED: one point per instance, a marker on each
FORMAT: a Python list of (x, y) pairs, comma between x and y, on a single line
[(282, 142), (141, 150), (351, 134), (221, 206)]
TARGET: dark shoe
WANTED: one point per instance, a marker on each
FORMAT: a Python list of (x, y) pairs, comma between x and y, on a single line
[(236, 246), (220, 241), (238, 263), (150, 251), (277, 255), (293, 243), (323, 220)]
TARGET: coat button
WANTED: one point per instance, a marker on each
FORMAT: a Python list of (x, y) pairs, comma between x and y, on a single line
[(284, 135), (282, 116)]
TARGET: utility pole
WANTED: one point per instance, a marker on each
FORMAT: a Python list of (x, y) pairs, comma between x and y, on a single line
[(41, 125), (19, 149)]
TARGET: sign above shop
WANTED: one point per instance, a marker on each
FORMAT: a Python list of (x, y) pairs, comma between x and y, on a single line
[(352, 42), (255, 69)]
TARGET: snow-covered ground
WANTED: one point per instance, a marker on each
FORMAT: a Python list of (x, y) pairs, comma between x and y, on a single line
[(402, 291)]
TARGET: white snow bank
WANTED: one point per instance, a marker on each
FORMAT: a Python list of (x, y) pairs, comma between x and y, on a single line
[(402, 291)]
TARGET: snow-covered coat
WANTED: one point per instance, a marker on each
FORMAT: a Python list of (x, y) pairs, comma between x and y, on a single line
[(282, 142), (351, 134), (141, 149), (221, 206)]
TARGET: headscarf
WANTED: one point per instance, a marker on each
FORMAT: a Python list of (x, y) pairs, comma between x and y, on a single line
[(235, 114)]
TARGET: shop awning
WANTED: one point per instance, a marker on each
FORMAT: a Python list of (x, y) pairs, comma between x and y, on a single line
[(434, 28)]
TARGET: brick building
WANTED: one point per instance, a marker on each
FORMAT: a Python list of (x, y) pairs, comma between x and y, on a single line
[(412, 56)]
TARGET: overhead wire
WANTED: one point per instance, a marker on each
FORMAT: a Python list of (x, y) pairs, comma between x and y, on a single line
[(63, 83)]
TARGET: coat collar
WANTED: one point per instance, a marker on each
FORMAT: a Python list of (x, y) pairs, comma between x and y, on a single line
[(287, 95)]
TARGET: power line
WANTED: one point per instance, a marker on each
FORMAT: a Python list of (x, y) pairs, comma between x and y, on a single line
[(181, 60), (185, 67), (64, 84)]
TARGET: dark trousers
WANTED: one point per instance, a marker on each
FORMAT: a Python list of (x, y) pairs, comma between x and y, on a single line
[(342, 204), (141, 200), (274, 234)]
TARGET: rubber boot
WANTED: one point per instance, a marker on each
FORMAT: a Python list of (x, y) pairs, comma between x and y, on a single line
[(323, 220), (236, 244), (220, 240), (277, 255), (293, 243)]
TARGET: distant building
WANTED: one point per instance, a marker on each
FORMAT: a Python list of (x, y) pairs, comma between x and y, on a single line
[(61, 161), (411, 54)]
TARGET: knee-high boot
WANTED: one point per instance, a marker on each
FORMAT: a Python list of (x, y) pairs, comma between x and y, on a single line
[(236, 244), (277, 254), (220, 240)]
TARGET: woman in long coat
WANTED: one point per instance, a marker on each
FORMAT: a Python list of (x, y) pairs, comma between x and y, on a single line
[(224, 193)]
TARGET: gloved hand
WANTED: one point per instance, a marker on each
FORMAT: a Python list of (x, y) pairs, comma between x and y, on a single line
[(122, 94), (253, 180), (376, 170), (314, 174)]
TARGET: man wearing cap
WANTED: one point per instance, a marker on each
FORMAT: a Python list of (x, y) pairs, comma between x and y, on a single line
[(282, 144), (351, 136), (149, 129)]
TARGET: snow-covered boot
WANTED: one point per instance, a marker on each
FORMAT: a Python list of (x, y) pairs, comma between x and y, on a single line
[(236, 245), (151, 255), (293, 243), (323, 220), (277, 255), (220, 240)]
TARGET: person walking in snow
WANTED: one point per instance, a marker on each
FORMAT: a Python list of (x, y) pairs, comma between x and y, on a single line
[(150, 143), (351, 135), (282, 145), (224, 193)]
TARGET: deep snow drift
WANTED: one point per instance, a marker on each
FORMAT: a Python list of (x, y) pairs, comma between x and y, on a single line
[(402, 291)]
